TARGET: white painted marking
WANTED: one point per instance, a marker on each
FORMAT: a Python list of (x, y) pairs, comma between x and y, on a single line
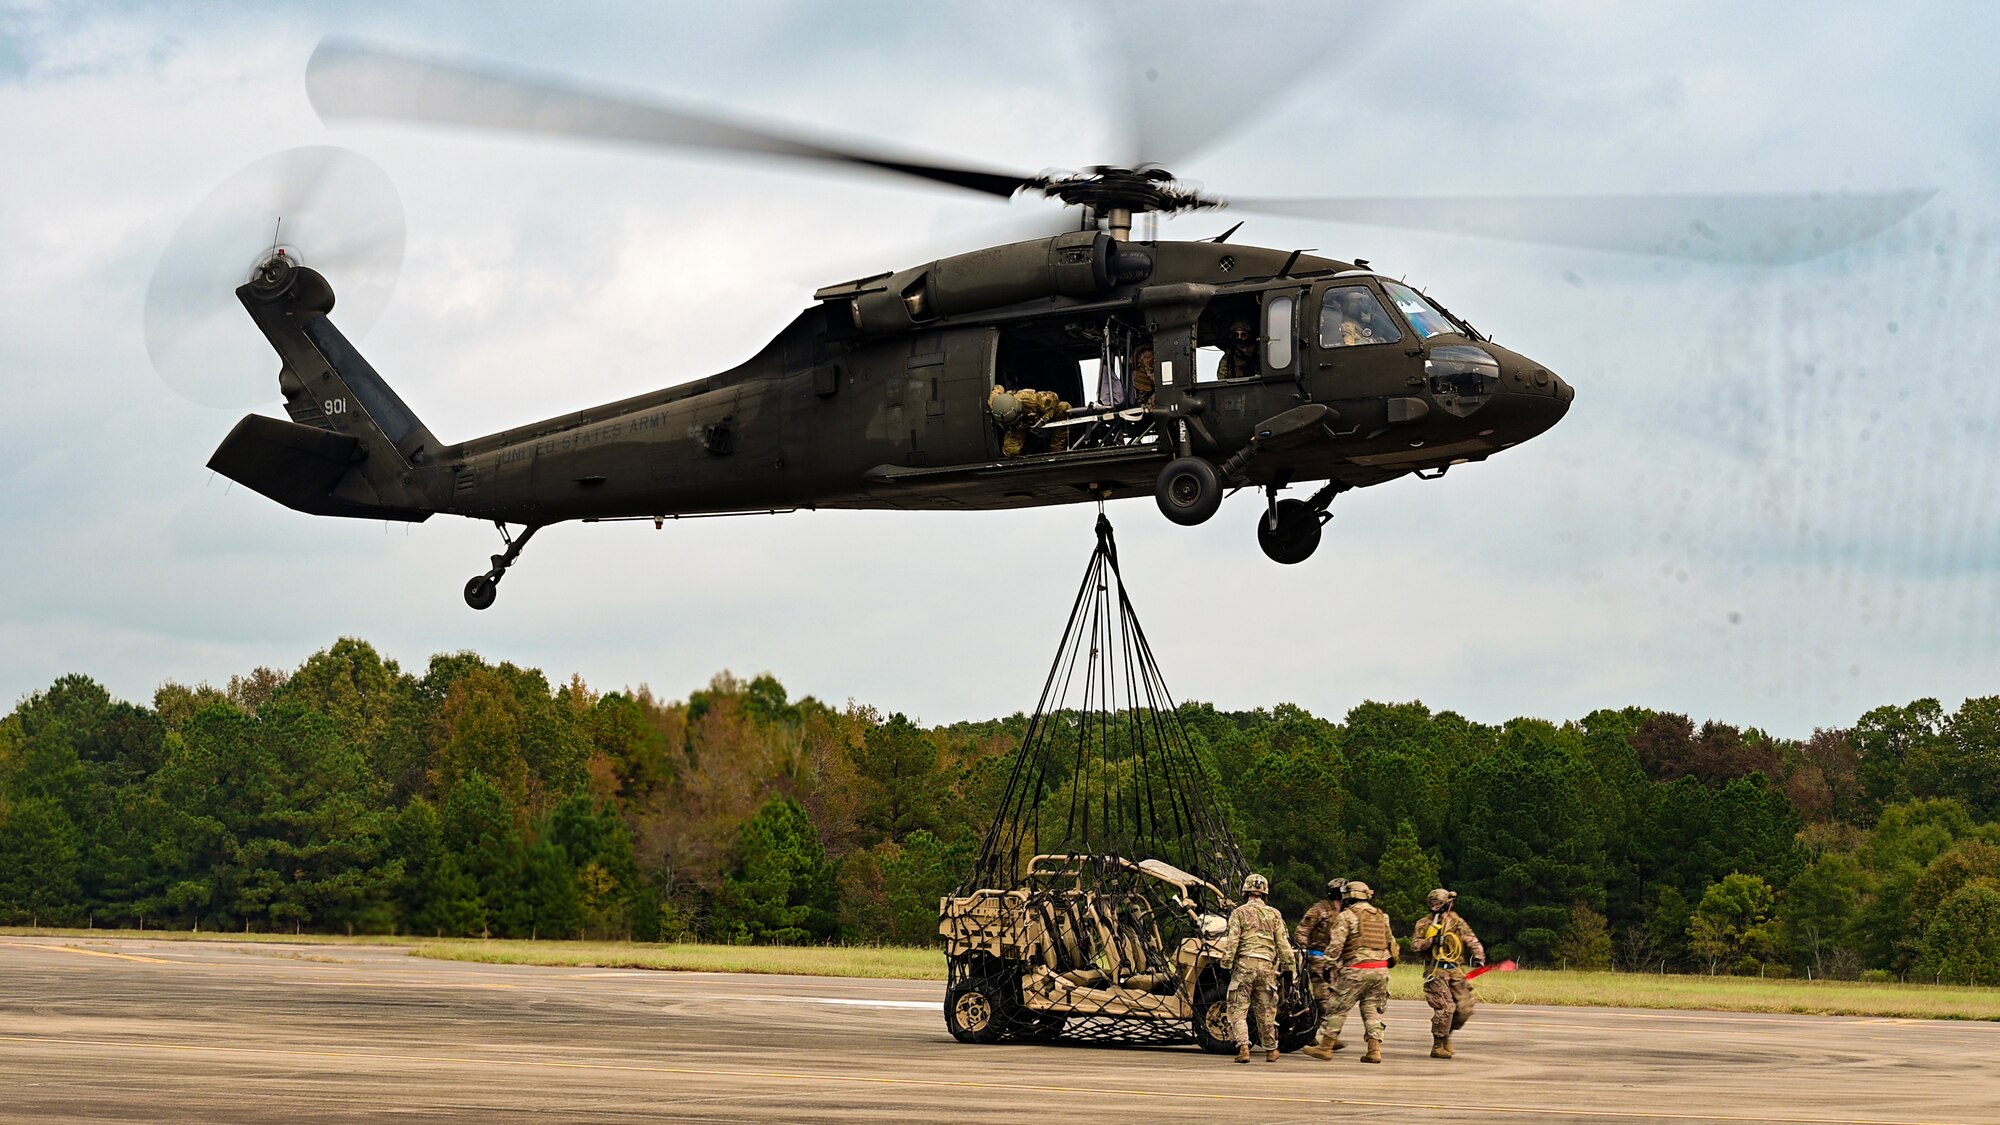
[(837, 1001)]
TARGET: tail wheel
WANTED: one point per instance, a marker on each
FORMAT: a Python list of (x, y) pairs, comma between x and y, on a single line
[(1189, 491)]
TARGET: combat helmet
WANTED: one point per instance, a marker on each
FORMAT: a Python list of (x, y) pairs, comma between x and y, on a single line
[(1360, 891), (1440, 899), (1255, 884), (1335, 887)]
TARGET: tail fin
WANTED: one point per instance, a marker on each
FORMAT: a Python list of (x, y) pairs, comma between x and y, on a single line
[(352, 448)]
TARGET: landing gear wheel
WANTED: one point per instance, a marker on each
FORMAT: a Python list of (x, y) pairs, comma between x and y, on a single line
[(1189, 491), (481, 590), (1295, 538), (1212, 1032), (978, 1011)]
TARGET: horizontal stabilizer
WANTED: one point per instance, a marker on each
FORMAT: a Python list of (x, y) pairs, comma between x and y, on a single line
[(299, 467)]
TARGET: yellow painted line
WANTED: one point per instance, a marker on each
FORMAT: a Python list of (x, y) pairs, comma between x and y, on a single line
[(1542, 1111), (94, 952)]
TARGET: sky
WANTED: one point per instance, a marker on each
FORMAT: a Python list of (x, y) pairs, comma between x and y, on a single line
[(1772, 503)]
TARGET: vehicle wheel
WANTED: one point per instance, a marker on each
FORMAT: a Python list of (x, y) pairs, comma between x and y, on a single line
[(978, 1010), (1295, 538), (1189, 491), (480, 591), (1297, 1029), (1211, 1020)]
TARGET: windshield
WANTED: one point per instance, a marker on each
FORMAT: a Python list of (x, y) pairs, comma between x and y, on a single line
[(1422, 315)]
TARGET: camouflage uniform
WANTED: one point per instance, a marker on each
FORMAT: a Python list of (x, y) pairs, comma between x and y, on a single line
[(1017, 412), (1262, 952), (1362, 936), (1239, 364), (1145, 374), (1312, 933), (1444, 935)]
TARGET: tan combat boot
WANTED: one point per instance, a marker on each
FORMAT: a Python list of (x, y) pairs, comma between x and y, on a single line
[(1317, 1051), (1440, 1046), (1271, 1055), (1374, 1054), (1243, 1052)]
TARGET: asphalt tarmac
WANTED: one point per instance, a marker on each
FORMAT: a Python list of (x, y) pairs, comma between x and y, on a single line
[(158, 1031)]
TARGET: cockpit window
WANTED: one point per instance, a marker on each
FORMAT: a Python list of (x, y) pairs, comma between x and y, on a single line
[(1350, 315), (1422, 315)]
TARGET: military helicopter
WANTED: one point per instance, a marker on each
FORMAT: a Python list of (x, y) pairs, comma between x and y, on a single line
[(1064, 368)]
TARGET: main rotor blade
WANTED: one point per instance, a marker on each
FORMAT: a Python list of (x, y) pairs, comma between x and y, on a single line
[(1195, 72), (347, 80), (1770, 230)]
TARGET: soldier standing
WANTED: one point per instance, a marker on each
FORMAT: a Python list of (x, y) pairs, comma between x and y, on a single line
[(1311, 935), (1364, 945), (1451, 944), (1263, 951)]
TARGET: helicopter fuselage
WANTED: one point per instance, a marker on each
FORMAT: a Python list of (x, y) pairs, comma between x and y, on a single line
[(1046, 372), (830, 416)]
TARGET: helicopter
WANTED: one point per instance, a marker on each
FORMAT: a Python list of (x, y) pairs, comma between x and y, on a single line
[(1065, 368)]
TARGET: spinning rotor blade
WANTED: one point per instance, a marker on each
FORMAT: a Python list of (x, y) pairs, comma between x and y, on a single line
[(1767, 230), (352, 81), (330, 208), (1195, 72)]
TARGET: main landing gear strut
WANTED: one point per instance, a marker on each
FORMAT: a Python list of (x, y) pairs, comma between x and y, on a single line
[(481, 589), (1289, 530)]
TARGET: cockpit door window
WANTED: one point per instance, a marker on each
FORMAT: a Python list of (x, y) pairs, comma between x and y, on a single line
[(1279, 341), (1352, 316)]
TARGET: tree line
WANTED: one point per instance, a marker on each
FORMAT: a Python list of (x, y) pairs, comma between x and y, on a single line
[(472, 798)]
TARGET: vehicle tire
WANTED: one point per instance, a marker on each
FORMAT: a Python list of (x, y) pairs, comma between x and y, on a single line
[(1296, 536), (1211, 1020), (1189, 491), (981, 1009), (1297, 1029), (480, 591)]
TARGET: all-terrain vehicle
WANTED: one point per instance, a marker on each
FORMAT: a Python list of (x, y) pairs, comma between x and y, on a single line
[(1099, 947)]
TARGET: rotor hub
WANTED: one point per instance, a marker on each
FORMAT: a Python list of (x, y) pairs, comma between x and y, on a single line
[(1105, 188)]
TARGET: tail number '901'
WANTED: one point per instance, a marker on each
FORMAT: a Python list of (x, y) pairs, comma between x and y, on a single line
[(334, 406)]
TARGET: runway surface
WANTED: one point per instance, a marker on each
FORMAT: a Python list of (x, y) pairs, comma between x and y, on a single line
[(128, 1031)]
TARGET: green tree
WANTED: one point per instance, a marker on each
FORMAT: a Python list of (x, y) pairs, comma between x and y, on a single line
[(898, 762), (1585, 941), (1818, 911), (923, 870), (434, 895), (1733, 926), (1530, 847), (780, 889), (1962, 942), (39, 874), (1406, 874)]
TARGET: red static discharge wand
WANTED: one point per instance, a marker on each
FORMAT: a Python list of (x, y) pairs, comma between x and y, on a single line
[(1502, 967)]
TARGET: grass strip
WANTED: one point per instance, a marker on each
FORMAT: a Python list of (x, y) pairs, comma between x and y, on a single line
[(1529, 986)]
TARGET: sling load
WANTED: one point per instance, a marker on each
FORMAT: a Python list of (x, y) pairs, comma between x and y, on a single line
[(1099, 902)]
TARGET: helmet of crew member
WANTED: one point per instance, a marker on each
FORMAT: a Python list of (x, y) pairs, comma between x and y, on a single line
[(1439, 899), (1242, 332), (1360, 891), (1254, 884), (1335, 887)]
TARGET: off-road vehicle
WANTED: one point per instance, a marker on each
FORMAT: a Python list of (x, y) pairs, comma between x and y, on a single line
[(1100, 947)]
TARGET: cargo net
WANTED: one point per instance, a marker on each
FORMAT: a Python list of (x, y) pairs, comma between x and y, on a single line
[(1103, 887)]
